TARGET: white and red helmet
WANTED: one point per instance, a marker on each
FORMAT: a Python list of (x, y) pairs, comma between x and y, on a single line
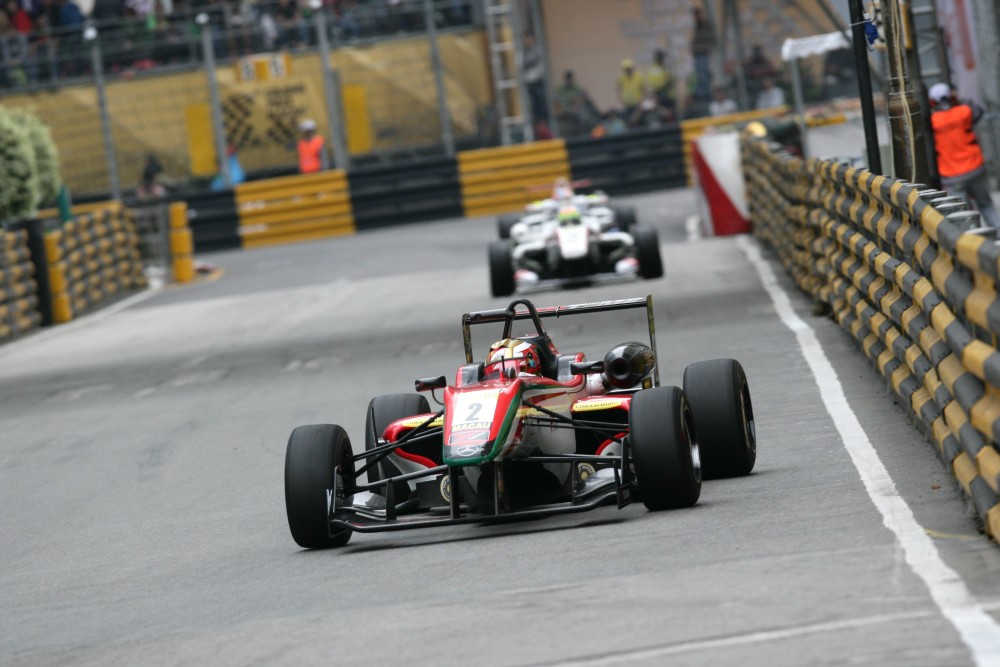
[(513, 355)]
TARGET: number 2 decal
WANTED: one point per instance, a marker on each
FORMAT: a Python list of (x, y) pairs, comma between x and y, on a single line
[(474, 409)]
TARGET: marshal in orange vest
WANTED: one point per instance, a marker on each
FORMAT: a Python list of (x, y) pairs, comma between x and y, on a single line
[(958, 151), (310, 150)]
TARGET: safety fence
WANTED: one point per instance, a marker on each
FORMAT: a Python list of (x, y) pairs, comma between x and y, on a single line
[(18, 289), (913, 277)]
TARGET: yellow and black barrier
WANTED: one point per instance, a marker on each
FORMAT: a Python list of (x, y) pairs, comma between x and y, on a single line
[(294, 208), (181, 243), (91, 259), (915, 287), (18, 289), (504, 179)]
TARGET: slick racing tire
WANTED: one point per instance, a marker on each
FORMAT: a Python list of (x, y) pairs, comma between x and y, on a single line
[(505, 222), (664, 451), (647, 245), (501, 268), (723, 417), (625, 217), (318, 470), (382, 411)]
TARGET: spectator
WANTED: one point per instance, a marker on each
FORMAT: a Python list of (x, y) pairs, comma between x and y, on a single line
[(573, 107), (757, 68), (534, 76), (722, 104), (702, 45), (14, 53), (69, 14), (312, 157), (650, 114), (150, 188), (292, 29), (960, 158), (770, 95), (19, 18), (611, 125), (631, 87), (659, 81)]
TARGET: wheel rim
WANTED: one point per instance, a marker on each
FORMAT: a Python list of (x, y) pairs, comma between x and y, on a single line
[(749, 425)]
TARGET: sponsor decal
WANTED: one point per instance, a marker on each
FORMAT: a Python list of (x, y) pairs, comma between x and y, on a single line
[(601, 404), (585, 470), (471, 426), (329, 502), (414, 422), (445, 488), (467, 450)]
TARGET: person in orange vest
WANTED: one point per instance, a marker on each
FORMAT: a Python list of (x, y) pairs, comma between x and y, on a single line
[(312, 157), (960, 158)]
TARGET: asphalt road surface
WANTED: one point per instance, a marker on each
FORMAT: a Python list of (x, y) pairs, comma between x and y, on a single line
[(141, 462)]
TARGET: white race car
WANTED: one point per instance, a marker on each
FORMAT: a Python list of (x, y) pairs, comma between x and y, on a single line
[(578, 246), (597, 205)]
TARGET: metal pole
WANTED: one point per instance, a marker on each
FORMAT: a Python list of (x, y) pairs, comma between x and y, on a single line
[(90, 34), (904, 109), (216, 103), (537, 22), (800, 107), (741, 80), (331, 93), (522, 85), (865, 86), (447, 134), (718, 57)]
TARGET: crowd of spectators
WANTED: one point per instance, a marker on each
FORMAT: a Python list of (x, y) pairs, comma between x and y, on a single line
[(42, 40)]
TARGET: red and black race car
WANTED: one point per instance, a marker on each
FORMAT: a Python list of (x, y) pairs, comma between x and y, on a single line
[(525, 432)]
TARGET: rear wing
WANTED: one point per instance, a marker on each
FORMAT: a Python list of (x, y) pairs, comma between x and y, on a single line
[(511, 313)]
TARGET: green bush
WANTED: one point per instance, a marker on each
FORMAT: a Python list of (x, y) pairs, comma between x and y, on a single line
[(29, 165), (46, 156)]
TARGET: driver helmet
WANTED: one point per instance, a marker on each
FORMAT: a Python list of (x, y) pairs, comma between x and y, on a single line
[(562, 190), (569, 215), (522, 355)]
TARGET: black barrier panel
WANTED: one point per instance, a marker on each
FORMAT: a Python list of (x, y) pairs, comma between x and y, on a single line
[(36, 249), (400, 194), (214, 220), (637, 161)]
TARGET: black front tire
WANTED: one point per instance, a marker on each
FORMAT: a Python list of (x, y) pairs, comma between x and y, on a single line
[(625, 216), (505, 222), (382, 411), (723, 417), (501, 268), (664, 449), (647, 245), (318, 461)]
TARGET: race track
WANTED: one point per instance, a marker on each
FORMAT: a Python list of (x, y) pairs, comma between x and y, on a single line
[(141, 460)]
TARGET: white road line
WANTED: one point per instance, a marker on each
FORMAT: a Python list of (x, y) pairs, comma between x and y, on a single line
[(692, 225), (977, 629), (656, 652)]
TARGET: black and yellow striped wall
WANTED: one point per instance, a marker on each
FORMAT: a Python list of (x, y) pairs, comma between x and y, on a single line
[(916, 288)]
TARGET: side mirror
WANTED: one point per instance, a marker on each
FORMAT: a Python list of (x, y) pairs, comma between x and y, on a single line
[(586, 367), (429, 384)]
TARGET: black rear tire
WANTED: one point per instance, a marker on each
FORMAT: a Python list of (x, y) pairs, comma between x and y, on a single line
[(723, 417), (505, 222), (647, 245), (382, 411), (664, 450), (501, 268), (318, 461)]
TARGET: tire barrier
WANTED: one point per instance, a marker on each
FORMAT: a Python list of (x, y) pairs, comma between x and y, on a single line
[(181, 244), (291, 209), (638, 161), (214, 220), (18, 290), (910, 275), (504, 179), (91, 259), (421, 191)]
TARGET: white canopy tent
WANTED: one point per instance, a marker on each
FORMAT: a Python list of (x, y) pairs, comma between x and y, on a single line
[(803, 47)]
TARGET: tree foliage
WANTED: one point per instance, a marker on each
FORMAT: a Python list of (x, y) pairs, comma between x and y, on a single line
[(29, 165)]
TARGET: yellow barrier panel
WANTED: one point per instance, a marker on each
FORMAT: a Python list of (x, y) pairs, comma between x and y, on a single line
[(294, 208), (62, 309), (181, 243), (504, 179)]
